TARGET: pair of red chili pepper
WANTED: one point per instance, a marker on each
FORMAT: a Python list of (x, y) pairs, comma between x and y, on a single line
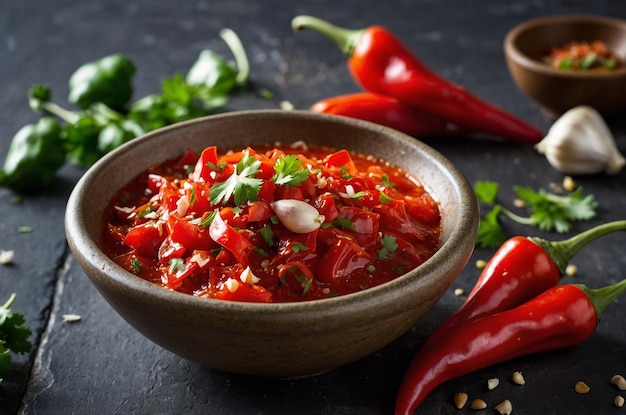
[(515, 308), (406, 95)]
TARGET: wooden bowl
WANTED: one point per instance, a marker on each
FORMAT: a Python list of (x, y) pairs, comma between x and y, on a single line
[(556, 90), (283, 339)]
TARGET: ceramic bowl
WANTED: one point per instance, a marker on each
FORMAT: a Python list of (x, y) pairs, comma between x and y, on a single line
[(558, 90), (277, 340)]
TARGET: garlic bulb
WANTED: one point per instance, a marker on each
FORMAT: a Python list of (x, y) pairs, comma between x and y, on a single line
[(580, 142), (297, 216)]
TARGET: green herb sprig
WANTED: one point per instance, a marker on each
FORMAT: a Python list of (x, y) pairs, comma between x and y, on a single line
[(548, 211), (14, 336)]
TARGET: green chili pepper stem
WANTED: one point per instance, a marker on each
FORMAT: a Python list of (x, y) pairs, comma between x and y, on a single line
[(601, 297), (57, 110), (516, 218), (9, 302), (238, 51), (346, 39), (562, 252)]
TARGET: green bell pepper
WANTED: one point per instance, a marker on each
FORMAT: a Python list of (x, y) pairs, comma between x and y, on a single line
[(35, 154), (107, 80)]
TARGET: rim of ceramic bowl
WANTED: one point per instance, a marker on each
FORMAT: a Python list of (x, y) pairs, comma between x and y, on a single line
[(88, 249), (510, 44)]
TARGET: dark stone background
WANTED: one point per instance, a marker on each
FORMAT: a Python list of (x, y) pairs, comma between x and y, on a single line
[(100, 365)]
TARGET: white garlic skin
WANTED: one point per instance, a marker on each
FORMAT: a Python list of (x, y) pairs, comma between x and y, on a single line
[(297, 216), (580, 142)]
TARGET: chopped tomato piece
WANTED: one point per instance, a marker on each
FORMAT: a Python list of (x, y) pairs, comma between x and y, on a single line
[(146, 238), (342, 258), (207, 163), (229, 238)]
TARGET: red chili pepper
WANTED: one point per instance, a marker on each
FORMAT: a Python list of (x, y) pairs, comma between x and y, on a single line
[(563, 316), (521, 269), (380, 63), (387, 111)]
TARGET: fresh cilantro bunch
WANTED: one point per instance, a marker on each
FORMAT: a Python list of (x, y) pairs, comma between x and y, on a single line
[(13, 336), (105, 118), (548, 211)]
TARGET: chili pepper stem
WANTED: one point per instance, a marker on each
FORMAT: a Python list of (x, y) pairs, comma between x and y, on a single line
[(601, 297), (9, 302), (346, 39), (57, 110), (562, 252), (241, 59), (516, 218)]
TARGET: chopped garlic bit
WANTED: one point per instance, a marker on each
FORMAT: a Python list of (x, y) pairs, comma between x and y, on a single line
[(231, 285), (182, 205), (6, 257), (200, 260), (247, 277), (459, 292), (481, 264), (300, 144), (349, 192), (580, 142), (618, 401), (125, 209), (71, 318)]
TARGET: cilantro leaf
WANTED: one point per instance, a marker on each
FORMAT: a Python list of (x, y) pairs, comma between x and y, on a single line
[(548, 211), (555, 212), (289, 171), (241, 184), (490, 233), (486, 191), (13, 336), (389, 245)]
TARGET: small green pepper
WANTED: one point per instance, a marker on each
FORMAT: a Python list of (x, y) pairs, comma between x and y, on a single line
[(35, 154), (107, 80)]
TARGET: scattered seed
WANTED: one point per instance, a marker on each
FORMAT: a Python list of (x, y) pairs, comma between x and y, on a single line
[(519, 203), (581, 387), (505, 407), (492, 383), (286, 105), (518, 378), (618, 401), (459, 292), (571, 270), (569, 184), (478, 404), (6, 257), (460, 399), (481, 264), (619, 381), (71, 318)]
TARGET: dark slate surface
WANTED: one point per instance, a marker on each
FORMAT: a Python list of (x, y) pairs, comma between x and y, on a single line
[(100, 365)]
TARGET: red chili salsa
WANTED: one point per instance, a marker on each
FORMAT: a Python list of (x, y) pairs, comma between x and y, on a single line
[(583, 56), (234, 226)]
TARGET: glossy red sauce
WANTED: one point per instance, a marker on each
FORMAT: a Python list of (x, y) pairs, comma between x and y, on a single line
[(172, 226)]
